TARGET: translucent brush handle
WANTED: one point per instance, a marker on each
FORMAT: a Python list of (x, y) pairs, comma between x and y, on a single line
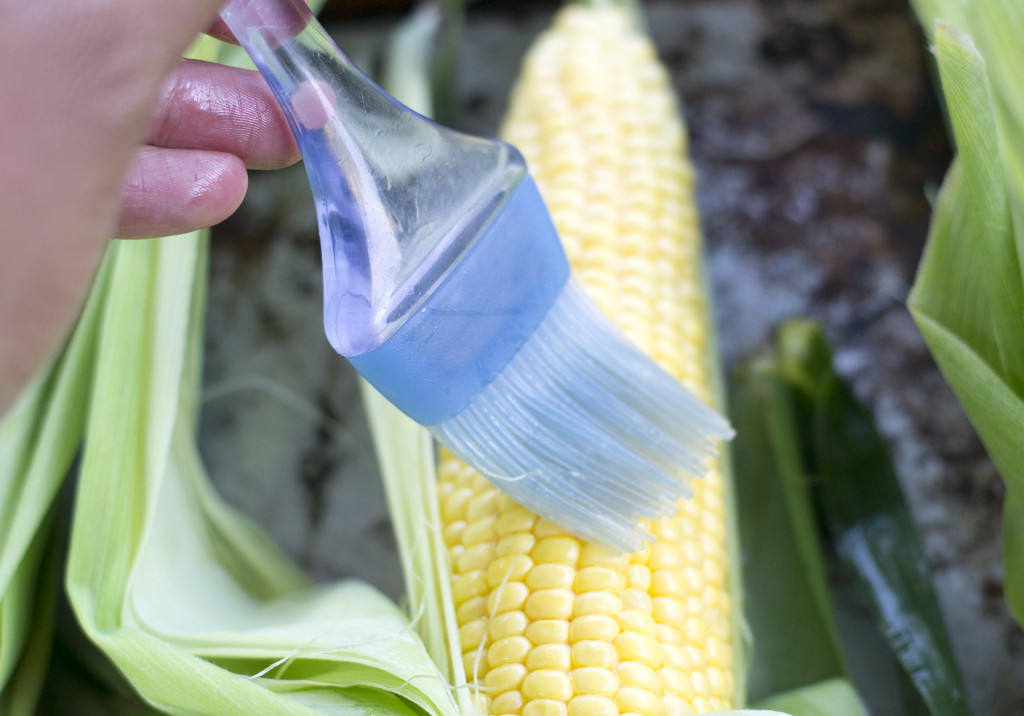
[(399, 198)]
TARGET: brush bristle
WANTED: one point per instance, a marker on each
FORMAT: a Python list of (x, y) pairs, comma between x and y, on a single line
[(585, 430)]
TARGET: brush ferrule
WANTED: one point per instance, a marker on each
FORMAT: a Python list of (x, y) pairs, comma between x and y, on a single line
[(477, 318)]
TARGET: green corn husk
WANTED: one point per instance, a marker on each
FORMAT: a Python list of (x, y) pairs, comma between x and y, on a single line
[(177, 589), (841, 590), (29, 626), (796, 662), (787, 590), (867, 519), (968, 296), (39, 438)]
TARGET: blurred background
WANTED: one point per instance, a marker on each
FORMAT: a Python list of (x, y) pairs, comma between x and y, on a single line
[(818, 142)]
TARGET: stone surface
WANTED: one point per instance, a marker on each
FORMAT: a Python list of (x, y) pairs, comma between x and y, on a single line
[(817, 139)]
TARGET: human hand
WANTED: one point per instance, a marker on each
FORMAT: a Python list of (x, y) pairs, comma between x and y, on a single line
[(105, 131)]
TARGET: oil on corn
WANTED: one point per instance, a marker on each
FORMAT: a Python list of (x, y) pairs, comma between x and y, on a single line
[(550, 625)]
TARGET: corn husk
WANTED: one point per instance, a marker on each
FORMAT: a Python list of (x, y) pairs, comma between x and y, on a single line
[(39, 438), (968, 296), (196, 607), (867, 521), (839, 592), (795, 639)]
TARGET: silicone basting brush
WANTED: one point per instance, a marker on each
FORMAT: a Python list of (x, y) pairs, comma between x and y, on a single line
[(446, 286)]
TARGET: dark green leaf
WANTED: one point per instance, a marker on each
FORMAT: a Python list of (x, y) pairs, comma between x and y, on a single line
[(867, 517)]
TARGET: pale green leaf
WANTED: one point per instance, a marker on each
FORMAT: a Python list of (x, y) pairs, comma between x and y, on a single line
[(200, 611), (998, 415), (33, 620), (406, 454), (967, 298), (18, 610), (994, 27), (815, 482), (794, 637), (826, 698), (983, 206), (39, 438)]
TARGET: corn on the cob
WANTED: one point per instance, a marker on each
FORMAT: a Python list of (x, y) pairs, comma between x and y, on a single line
[(550, 625)]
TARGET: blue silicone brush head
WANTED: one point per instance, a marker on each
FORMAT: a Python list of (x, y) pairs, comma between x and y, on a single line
[(446, 286)]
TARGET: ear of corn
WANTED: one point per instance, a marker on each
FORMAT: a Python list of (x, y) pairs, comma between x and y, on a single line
[(550, 625)]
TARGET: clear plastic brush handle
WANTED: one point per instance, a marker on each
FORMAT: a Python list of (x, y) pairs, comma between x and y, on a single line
[(399, 198), (447, 288)]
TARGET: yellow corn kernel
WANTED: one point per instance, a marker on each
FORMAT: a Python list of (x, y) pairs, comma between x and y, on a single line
[(509, 567), (550, 604), (469, 585), (546, 707), (472, 608), (556, 549), (676, 705), (516, 519), (595, 680), (548, 631), (635, 699), (592, 555), (633, 646), (638, 576), (594, 626), (507, 677), (506, 597), (638, 621), (479, 556), (510, 650), (510, 702), (570, 628), (667, 634), (633, 673), (518, 543), (547, 684), (554, 655), (551, 576), (677, 682), (595, 578), (595, 652), (597, 603), (593, 706), (471, 634), (507, 624)]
